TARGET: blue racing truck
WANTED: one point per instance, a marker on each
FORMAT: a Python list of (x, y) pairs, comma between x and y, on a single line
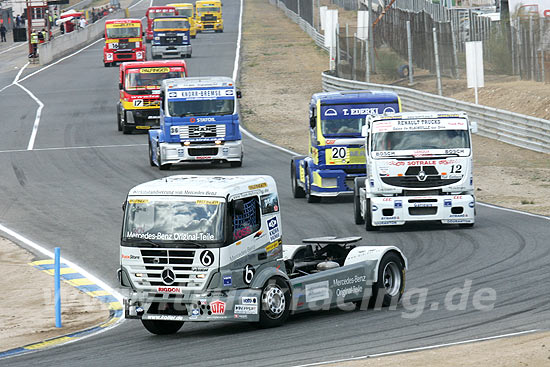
[(336, 147), (171, 37), (199, 121)]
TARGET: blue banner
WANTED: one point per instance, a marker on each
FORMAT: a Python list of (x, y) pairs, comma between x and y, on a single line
[(353, 111)]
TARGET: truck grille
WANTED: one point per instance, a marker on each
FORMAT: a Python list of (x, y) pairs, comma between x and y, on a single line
[(197, 152), (209, 18), (207, 131), (125, 56), (179, 261), (414, 182), (171, 40)]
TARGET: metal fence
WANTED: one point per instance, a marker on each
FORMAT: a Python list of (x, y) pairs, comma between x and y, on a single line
[(509, 127)]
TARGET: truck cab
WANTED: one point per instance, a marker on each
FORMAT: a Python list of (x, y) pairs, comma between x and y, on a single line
[(208, 15), (336, 146), (419, 168), (187, 10), (139, 92), (155, 12), (123, 41), (199, 122), (171, 37), (209, 248)]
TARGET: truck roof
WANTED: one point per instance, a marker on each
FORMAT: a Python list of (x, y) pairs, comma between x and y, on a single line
[(353, 96), (420, 115), (194, 185), (119, 21), (198, 82), (152, 64)]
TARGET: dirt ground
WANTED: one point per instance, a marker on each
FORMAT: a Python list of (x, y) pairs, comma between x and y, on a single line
[(28, 310), (277, 82)]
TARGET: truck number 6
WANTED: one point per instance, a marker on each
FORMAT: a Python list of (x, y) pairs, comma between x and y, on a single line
[(207, 258), (339, 152), (248, 274)]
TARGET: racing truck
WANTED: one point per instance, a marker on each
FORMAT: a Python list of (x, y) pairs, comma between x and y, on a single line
[(199, 122), (209, 248), (123, 41), (336, 152), (154, 12), (139, 85), (419, 168), (208, 15), (187, 10), (171, 37)]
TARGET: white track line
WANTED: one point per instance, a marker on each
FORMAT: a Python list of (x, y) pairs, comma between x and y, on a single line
[(417, 349), (12, 47), (71, 148)]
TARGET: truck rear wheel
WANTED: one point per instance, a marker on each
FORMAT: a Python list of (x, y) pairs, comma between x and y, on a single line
[(119, 120), (358, 183), (391, 281), (161, 327), (368, 218), (275, 303), (297, 190), (151, 155)]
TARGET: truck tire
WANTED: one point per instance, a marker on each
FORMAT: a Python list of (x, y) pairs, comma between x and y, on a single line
[(297, 191), (368, 218), (358, 183), (236, 164), (274, 303), (161, 327), (391, 281), (119, 119), (151, 162), (310, 198), (106, 64), (162, 167)]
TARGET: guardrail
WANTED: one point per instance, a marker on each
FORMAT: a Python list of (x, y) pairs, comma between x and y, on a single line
[(509, 127), (306, 27)]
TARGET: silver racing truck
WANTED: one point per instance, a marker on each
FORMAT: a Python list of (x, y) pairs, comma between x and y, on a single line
[(208, 248)]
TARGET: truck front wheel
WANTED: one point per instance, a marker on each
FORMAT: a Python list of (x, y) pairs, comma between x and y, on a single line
[(161, 327), (391, 281), (275, 303), (311, 198), (359, 182), (297, 190), (119, 120)]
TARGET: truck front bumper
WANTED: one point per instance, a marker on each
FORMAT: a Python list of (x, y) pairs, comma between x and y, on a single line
[(176, 50), (331, 183), (397, 210), (143, 119), (231, 305), (228, 151), (213, 26)]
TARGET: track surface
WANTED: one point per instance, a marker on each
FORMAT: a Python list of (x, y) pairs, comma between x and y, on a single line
[(68, 192)]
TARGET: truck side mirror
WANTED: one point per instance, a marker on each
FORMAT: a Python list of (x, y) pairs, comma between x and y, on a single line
[(238, 207), (119, 85), (124, 206), (473, 127), (142, 34), (312, 122), (239, 94), (365, 131)]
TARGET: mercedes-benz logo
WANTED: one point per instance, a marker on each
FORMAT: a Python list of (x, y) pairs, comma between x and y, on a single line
[(421, 176), (168, 276)]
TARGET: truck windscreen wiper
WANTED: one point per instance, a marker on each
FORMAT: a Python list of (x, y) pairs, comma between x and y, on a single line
[(141, 240)]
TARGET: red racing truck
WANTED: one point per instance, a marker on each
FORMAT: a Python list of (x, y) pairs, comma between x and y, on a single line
[(157, 12), (123, 41), (139, 85)]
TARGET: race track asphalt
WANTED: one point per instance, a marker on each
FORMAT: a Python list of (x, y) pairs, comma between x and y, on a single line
[(68, 192)]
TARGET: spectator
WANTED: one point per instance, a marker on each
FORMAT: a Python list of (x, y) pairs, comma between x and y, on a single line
[(18, 21), (3, 31), (34, 43), (41, 37), (62, 27), (82, 22)]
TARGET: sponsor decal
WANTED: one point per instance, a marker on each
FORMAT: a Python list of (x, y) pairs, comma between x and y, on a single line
[(349, 280), (165, 317), (343, 292), (257, 186), (201, 94), (195, 312), (317, 291), (154, 70), (217, 307), (227, 281), (272, 246), (130, 257), (374, 208), (249, 300), (207, 202), (423, 205), (246, 309), (472, 204), (273, 228), (169, 290), (398, 204), (172, 236), (206, 119), (447, 203), (138, 201), (258, 234), (196, 268)]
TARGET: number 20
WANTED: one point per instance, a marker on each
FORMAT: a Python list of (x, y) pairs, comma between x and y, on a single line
[(338, 153)]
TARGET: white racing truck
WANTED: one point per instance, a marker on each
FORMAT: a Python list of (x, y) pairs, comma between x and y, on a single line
[(208, 248), (419, 168)]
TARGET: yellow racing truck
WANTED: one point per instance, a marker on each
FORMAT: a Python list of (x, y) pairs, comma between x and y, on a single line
[(208, 15), (187, 10)]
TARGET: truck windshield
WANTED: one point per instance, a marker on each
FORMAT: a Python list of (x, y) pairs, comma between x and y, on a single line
[(205, 107), (344, 126), (124, 32), (421, 140), (208, 10), (161, 13), (171, 24), (185, 12), (137, 80), (167, 221), (348, 119)]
